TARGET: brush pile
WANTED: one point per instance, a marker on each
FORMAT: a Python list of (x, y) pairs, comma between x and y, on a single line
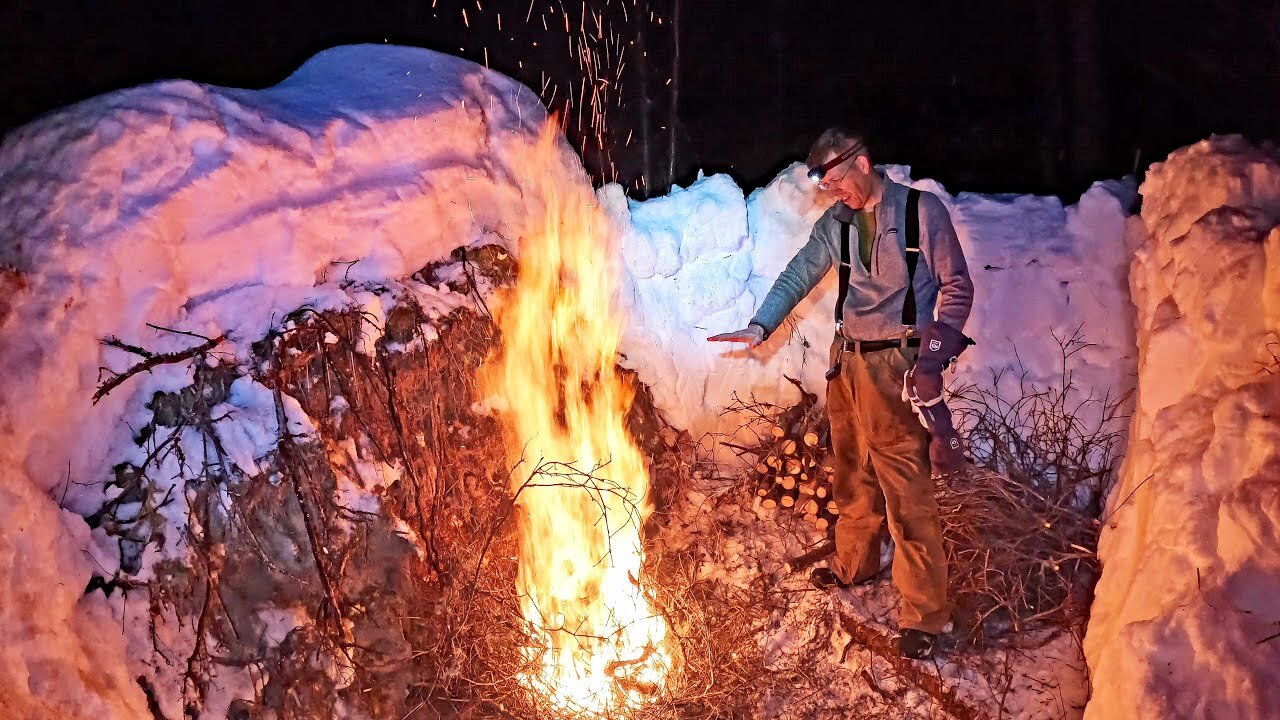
[(1021, 526)]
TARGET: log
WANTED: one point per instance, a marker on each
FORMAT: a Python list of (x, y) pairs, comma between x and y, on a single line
[(764, 484), (811, 439), (923, 675), (817, 554), (789, 447)]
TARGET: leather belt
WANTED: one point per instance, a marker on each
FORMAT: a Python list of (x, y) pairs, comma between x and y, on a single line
[(866, 346)]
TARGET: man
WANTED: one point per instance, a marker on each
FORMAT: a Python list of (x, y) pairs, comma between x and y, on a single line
[(881, 449)]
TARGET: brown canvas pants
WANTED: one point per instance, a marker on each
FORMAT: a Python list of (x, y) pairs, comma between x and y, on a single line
[(882, 473)]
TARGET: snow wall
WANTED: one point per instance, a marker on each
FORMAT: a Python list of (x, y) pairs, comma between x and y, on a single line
[(700, 260), (218, 211), (212, 211), (1187, 612)]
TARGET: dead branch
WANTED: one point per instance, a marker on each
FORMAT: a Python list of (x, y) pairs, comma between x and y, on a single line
[(290, 453), (800, 562), (150, 362), (912, 671)]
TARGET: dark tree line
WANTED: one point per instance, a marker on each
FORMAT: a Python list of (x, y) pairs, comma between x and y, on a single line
[(989, 96)]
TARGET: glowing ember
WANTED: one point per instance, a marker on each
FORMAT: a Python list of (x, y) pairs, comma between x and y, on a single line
[(599, 642)]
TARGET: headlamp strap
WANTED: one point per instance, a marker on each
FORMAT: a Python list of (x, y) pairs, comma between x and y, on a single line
[(820, 171)]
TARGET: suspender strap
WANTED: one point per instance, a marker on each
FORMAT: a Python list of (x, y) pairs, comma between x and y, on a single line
[(913, 256), (844, 274)]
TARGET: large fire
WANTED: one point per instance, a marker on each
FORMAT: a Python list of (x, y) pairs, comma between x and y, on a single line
[(599, 644)]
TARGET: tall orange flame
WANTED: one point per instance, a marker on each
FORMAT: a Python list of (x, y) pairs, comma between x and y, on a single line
[(582, 485)]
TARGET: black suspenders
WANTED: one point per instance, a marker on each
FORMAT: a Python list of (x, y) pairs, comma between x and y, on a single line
[(913, 258), (845, 269)]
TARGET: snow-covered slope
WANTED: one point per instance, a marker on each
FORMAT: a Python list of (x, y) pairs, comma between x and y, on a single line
[(1187, 613), (211, 211), (701, 259)]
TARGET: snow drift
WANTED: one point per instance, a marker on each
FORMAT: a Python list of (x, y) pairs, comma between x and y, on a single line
[(1186, 617), (211, 211)]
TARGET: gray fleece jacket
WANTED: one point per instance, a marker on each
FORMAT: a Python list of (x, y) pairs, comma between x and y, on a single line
[(873, 308)]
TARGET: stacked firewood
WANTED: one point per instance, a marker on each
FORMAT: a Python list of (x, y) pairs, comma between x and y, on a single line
[(794, 475), (789, 463)]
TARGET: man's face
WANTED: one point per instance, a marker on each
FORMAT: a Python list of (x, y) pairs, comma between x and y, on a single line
[(849, 182)]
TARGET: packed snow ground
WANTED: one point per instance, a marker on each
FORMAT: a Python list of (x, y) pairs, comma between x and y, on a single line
[(217, 211), (1188, 609)]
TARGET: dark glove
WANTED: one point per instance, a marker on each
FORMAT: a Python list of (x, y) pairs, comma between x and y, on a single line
[(940, 345)]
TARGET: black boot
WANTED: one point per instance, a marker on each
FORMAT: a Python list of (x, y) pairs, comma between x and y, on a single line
[(916, 644), (826, 579)]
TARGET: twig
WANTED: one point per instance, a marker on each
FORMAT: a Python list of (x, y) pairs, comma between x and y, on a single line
[(152, 361), (161, 328), (1116, 509)]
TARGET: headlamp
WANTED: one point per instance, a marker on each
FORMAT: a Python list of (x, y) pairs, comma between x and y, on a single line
[(817, 172)]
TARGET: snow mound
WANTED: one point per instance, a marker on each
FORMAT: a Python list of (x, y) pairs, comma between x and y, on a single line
[(700, 260), (211, 211), (1185, 618)]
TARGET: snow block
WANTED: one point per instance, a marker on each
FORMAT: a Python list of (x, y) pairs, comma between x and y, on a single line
[(1185, 617)]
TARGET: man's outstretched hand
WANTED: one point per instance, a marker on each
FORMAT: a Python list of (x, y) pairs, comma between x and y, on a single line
[(752, 335)]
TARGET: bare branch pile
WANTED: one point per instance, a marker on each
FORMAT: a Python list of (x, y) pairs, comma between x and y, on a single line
[(1021, 528)]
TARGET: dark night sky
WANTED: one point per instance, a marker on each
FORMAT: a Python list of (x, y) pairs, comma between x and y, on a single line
[(993, 96)]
